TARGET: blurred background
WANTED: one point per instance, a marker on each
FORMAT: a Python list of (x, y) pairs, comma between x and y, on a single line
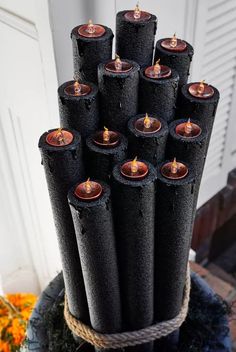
[(36, 56)]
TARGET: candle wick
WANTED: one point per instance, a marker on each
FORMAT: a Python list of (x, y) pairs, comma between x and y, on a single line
[(90, 27), (87, 186), (147, 121), (173, 42), (137, 12), (60, 136), (188, 127), (134, 166), (174, 167), (106, 135), (201, 87), (77, 87), (157, 68), (118, 63)]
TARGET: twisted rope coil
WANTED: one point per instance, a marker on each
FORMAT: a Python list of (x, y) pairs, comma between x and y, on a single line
[(130, 338)]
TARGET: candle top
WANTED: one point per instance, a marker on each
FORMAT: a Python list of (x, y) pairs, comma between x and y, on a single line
[(91, 30), (147, 124), (188, 129), (77, 89), (158, 71), (174, 170), (134, 169), (174, 44), (88, 190), (118, 66), (106, 138), (59, 138), (201, 90), (137, 15)]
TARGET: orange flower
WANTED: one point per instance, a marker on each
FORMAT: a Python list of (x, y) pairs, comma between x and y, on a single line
[(4, 346)]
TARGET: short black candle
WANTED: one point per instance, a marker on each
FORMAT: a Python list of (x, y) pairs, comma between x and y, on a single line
[(158, 96), (135, 39), (203, 110), (178, 60), (96, 242), (79, 112), (134, 212), (149, 146), (174, 206), (100, 160), (118, 96), (63, 168), (89, 52)]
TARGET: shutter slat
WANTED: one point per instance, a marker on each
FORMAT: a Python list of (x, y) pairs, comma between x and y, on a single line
[(219, 49), (223, 31), (221, 10), (215, 78), (220, 20), (214, 4), (220, 62)]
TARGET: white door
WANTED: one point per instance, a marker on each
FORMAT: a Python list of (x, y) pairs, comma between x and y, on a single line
[(28, 107)]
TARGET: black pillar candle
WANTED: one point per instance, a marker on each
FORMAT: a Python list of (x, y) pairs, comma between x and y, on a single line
[(102, 156), (134, 212), (118, 95), (135, 37), (175, 197), (62, 163), (175, 58), (92, 216), (198, 108), (90, 51), (148, 142), (78, 107), (158, 95)]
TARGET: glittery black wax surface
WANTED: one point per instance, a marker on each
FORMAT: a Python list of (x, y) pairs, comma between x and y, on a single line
[(100, 161), (88, 53), (134, 214), (63, 168), (180, 61), (203, 110), (79, 112), (118, 96), (135, 40), (151, 146), (174, 204), (96, 242), (158, 96)]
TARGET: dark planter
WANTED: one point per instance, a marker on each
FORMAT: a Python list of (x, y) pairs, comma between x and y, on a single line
[(205, 329)]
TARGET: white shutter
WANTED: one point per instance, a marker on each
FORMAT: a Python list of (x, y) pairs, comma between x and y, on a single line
[(214, 42)]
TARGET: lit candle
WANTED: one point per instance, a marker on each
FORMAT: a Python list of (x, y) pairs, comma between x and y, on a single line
[(91, 30), (158, 71), (137, 15), (88, 190), (201, 90), (79, 99), (174, 44), (147, 137), (118, 66), (59, 138), (174, 170), (106, 138), (134, 169), (92, 44), (188, 129)]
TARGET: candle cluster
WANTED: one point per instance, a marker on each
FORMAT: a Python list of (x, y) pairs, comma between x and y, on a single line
[(123, 173)]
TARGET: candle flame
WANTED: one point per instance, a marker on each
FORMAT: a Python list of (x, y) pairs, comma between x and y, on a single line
[(118, 63), (173, 41), (90, 27), (174, 167), (157, 68), (134, 166), (188, 127), (106, 135), (201, 87), (137, 12), (77, 87), (59, 136), (147, 121), (88, 186)]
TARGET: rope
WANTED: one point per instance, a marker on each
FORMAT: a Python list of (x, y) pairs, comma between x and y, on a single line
[(130, 338)]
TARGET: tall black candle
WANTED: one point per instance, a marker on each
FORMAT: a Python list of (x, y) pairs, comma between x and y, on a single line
[(147, 138), (158, 95), (103, 153), (134, 212), (175, 197), (118, 93), (135, 36), (176, 54), (78, 107), (92, 215), (62, 161), (200, 107), (89, 50)]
